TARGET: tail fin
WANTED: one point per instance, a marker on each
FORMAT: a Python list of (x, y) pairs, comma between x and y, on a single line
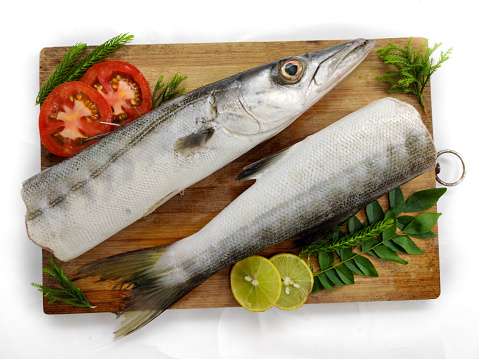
[(153, 290)]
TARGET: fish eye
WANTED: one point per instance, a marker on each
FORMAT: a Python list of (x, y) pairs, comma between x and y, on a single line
[(291, 71)]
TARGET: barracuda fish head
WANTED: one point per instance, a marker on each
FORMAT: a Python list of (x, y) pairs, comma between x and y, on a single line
[(270, 97)]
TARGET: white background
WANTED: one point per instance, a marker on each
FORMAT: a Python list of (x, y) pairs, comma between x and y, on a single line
[(441, 328)]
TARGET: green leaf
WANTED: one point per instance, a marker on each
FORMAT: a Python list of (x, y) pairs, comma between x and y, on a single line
[(354, 224), (423, 200), (407, 244), (427, 235), (325, 259), (327, 284), (403, 221), (347, 253), (345, 274), (422, 223), (366, 266), (370, 243), (394, 246), (390, 232), (334, 277), (386, 253), (317, 286), (396, 200), (374, 212)]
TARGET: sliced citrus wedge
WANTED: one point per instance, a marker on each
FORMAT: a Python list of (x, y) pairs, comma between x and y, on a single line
[(297, 280), (255, 283)]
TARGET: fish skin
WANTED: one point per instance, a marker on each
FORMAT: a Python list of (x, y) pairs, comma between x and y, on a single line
[(329, 175), (80, 202)]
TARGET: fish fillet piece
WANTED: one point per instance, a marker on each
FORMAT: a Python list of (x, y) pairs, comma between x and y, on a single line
[(313, 186)]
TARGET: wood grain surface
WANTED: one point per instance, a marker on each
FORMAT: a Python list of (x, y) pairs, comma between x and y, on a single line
[(185, 214)]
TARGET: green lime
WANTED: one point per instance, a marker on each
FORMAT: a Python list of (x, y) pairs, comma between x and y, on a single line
[(297, 280), (255, 283)]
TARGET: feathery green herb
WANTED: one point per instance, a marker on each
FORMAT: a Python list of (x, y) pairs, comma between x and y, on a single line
[(413, 68), (167, 92), (99, 53), (72, 69), (68, 292), (378, 238), (61, 71), (352, 239)]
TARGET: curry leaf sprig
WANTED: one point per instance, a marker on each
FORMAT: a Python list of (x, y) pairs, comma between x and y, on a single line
[(68, 292), (72, 68), (162, 93), (378, 237), (413, 67)]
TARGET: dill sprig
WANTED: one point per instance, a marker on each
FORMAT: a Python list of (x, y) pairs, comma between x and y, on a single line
[(348, 240), (68, 292), (72, 69), (99, 53), (61, 71), (413, 68), (167, 92)]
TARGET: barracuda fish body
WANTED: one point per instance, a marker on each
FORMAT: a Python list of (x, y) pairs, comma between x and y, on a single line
[(312, 187), (77, 204)]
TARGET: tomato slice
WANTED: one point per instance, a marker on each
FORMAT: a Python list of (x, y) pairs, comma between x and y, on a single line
[(123, 86), (71, 113)]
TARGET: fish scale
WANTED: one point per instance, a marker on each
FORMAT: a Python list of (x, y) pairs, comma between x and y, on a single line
[(87, 198)]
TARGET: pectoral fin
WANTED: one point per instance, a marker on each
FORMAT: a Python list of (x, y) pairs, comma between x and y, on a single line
[(195, 142), (256, 169)]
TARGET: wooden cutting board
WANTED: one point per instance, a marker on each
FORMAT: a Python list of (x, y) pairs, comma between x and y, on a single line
[(185, 214)]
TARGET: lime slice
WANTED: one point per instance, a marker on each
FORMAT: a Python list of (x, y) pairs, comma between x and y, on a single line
[(255, 283), (297, 280)]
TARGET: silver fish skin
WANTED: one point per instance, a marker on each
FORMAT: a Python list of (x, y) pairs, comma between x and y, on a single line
[(80, 202), (317, 183)]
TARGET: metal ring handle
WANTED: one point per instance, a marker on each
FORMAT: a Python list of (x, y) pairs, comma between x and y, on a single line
[(438, 168)]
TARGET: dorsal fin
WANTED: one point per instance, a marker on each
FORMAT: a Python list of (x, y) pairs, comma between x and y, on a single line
[(254, 170)]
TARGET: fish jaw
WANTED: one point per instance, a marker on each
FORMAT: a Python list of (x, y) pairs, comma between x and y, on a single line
[(333, 69)]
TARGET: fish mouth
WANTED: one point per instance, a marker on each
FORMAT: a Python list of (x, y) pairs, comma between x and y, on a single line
[(359, 49), (341, 63)]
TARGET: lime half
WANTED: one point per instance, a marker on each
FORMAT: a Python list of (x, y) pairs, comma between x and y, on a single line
[(297, 280), (255, 283)]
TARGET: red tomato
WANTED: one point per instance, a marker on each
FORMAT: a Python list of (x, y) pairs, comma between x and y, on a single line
[(123, 86), (70, 114)]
